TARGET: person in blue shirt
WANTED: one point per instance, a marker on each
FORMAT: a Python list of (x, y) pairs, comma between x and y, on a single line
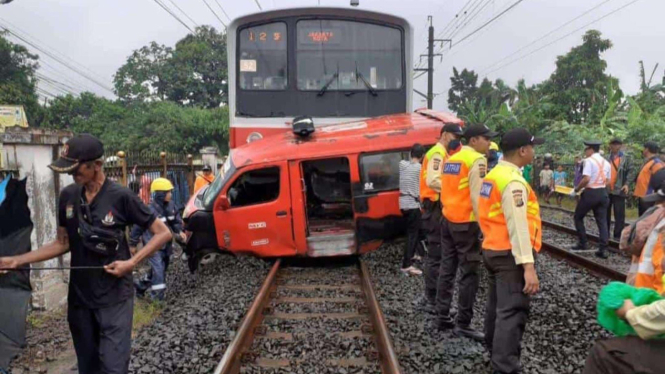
[(162, 206), (560, 178)]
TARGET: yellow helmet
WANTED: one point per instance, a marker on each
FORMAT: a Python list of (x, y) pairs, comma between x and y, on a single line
[(494, 146), (161, 184)]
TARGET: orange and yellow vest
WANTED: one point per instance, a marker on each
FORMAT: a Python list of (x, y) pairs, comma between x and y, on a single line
[(455, 193), (490, 210), (649, 169), (425, 191), (648, 268)]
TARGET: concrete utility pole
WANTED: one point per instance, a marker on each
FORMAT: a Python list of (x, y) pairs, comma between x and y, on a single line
[(430, 63)]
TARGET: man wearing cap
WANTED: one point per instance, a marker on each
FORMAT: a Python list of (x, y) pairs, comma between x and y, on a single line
[(92, 217), (652, 163), (460, 233), (204, 179), (593, 186), (430, 189), (509, 217), (621, 174)]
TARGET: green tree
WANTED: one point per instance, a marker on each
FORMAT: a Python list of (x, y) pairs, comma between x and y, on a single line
[(145, 76), (463, 89), (18, 85)]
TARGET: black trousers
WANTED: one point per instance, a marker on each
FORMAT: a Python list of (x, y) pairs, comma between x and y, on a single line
[(626, 355), (460, 248), (598, 201), (619, 204), (507, 310), (412, 235), (642, 207), (102, 337), (431, 222)]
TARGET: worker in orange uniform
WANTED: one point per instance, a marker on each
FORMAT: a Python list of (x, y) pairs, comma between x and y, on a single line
[(204, 179), (652, 163), (509, 217), (648, 268), (430, 189), (460, 233)]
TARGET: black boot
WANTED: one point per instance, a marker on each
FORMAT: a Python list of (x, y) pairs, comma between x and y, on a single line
[(444, 323), (601, 253), (468, 332), (579, 247)]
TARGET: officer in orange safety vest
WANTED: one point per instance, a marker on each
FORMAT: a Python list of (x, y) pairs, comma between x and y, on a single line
[(430, 189), (509, 217), (460, 234), (652, 163)]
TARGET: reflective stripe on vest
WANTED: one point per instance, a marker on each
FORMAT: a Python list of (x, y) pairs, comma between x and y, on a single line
[(649, 269), (455, 194), (490, 210), (601, 178), (649, 169), (425, 191)]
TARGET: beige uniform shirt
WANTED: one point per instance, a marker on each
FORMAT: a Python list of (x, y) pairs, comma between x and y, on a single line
[(648, 320), (476, 175), (434, 169), (514, 204)]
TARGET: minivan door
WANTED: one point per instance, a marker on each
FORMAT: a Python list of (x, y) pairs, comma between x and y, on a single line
[(254, 212)]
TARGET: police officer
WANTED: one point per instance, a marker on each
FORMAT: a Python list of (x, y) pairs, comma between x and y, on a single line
[(430, 189), (162, 206), (595, 177), (460, 242), (92, 216), (509, 217), (652, 163)]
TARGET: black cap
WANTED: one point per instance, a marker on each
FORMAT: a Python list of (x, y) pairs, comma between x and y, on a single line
[(657, 185), (593, 143), (517, 138), (452, 128), (616, 141), (652, 146), (479, 130), (77, 150), (207, 167)]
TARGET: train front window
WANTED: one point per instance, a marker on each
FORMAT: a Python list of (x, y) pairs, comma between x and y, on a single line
[(262, 63), (347, 55)]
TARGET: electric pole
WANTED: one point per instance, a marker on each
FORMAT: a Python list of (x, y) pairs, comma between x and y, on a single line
[(430, 63)]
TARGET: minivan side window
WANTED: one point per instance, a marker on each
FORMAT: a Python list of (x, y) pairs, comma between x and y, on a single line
[(380, 171), (255, 187)]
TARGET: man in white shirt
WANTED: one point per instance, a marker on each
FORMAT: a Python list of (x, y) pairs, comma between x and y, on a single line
[(595, 176)]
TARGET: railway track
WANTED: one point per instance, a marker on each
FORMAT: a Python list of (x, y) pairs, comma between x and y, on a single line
[(613, 244), (302, 300)]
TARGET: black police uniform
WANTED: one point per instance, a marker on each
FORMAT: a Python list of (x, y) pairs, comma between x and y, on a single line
[(100, 305), (598, 201)]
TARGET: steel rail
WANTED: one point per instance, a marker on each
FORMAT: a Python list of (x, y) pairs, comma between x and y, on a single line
[(584, 263), (230, 362), (571, 230), (387, 357), (572, 212)]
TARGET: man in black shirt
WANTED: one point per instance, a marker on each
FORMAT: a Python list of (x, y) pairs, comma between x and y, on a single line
[(92, 217)]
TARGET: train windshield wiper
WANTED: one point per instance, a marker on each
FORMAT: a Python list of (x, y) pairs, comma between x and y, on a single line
[(328, 83), (369, 86)]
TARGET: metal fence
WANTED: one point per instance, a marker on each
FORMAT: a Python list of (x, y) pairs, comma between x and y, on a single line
[(137, 170)]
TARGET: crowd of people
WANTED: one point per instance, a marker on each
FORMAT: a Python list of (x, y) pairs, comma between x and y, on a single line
[(476, 203)]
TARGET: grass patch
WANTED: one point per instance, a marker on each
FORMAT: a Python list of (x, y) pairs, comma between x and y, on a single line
[(570, 204), (36, 320), (145, 313)]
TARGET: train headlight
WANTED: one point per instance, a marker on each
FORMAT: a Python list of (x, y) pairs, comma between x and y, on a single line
[(254, 137)]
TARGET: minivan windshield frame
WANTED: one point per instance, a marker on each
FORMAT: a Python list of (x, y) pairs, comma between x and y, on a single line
[(212, 192)]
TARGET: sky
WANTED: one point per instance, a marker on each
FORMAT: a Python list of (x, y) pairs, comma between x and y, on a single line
[(97, 36)]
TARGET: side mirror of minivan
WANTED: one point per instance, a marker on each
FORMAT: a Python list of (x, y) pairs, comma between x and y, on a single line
[(224, 202)]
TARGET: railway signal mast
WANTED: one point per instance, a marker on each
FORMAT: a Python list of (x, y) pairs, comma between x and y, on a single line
[(430, 63)]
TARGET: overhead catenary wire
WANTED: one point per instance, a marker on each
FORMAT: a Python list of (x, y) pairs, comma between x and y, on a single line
[(213, 12), (516, 3), (169, 11), (563, 37), (222, 8), (546, 35), (184, 13), (258, 4), (52, 56)]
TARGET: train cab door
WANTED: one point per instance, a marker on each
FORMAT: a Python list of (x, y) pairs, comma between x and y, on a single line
[(299, 206), (254, 212), (376, 198)]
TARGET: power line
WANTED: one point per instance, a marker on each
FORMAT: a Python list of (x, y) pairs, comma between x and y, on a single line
[(213, 12), (59, 60), (169, 11), (258, 4), (55, 83), (563, 37), (183, 12), (222, 8), (545, 36), (487, 23)]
